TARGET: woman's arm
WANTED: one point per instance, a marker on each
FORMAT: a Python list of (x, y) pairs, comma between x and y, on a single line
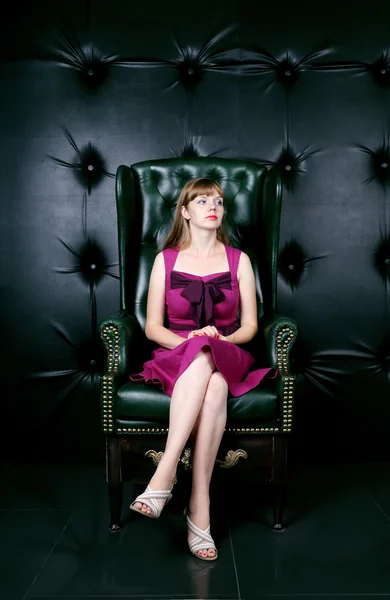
[(248, 308), (155, 310)]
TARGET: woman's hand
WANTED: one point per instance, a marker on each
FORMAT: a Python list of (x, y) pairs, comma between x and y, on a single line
[(223, 338), (209, 331)]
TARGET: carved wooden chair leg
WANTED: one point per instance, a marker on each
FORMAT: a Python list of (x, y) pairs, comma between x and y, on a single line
[(279, 450)]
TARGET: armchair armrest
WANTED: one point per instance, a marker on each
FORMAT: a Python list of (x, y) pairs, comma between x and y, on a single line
[(118, 335), (280, 334)]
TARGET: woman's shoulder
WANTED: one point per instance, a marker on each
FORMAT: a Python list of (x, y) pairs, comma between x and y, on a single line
[(244, 267), (241, 261), (234, 252), (169, 250), (159, 261), (165, 252), (167, 258)]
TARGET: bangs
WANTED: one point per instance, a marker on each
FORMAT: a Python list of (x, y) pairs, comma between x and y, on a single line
[(204, 187)]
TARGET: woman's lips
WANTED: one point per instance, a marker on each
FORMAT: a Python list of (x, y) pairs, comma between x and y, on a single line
[(212, 217)]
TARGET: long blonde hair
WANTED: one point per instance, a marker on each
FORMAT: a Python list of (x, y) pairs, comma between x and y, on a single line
[(180, 234)]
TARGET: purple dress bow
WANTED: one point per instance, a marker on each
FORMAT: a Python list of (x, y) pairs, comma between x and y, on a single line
[(202, 294)]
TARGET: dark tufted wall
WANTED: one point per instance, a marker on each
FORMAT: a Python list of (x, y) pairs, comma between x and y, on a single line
[(88, 85)]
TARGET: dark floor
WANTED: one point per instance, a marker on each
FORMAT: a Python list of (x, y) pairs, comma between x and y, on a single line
[(54, 540)]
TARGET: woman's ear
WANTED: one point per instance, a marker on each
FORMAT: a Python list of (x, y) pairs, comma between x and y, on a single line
[(185, 213)]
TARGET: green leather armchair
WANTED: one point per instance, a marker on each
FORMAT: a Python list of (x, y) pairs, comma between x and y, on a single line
[(134, 416)]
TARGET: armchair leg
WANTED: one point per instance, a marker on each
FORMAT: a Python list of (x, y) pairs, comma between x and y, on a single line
[(279, 450), (114, 480), (115, 493)]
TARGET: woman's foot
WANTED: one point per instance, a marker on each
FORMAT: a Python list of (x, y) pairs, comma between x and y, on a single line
[(157, 483), (199, 515)]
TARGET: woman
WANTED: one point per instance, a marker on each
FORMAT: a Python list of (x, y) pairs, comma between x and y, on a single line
[(205, 284)]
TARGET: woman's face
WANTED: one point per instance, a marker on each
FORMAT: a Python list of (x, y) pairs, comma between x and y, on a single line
[(205, 211)]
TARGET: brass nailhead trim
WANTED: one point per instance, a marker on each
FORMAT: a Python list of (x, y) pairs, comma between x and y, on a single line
[(252, 430), (140, 431), (107, 404), (283, 341), (287, 404), (284, 337), (110, 335)]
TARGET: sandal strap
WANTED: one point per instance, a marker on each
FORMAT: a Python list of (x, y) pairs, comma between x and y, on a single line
[(150, 497), (202, 539)]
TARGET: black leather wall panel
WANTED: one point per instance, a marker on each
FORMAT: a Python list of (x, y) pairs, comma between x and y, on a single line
[(87, 86)]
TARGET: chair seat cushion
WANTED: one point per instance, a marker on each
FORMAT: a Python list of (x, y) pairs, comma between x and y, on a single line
[(140, 401)]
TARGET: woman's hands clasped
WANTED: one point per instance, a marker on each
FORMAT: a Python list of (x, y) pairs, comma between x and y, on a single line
[(209, 331)]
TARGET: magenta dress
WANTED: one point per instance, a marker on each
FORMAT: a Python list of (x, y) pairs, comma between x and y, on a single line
[(192, 302)]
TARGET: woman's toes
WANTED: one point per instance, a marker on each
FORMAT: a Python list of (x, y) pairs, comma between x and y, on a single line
[(211, 552)]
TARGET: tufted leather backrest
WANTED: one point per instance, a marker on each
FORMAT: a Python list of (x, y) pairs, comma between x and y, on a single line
[(147, 193)]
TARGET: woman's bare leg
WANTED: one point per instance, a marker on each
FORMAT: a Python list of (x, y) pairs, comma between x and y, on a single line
[(187, 398), (209, 431)]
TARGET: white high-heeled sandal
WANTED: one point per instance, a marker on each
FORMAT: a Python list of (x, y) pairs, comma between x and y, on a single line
[(150, 499), (201, 541)]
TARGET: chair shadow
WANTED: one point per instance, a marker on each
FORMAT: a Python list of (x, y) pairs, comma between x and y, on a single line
[(309, 487)]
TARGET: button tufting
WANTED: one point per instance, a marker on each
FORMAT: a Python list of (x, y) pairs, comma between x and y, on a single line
[(292, 263), (380, 69), (83, 350), (91, 261), (382, 257), (287, 70), (90, 63), (383, 354), (193, 62), (189, 149), (190, 72), (289, 163), (89, 166), (215, 175), (380, 160)]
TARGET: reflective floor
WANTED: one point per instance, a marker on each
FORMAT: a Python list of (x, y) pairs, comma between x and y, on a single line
[(55, 543)]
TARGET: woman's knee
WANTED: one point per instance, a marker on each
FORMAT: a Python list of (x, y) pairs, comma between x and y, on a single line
[(217, 389), (204, 358)]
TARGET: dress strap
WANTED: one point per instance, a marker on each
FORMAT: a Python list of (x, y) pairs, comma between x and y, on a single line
[(170, 256), (233, 256)]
